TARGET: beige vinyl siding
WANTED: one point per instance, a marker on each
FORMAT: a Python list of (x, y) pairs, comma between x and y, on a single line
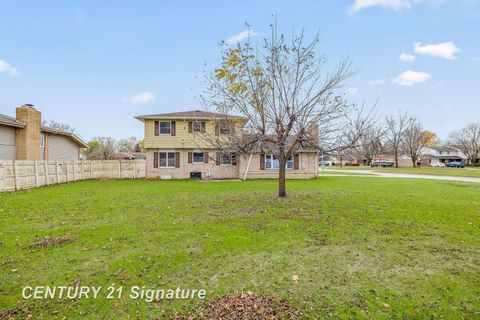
[(182, 138), (7, 143), (61, 148)]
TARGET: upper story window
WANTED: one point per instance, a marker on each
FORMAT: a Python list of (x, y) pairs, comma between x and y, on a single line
[(197, 126), (271, 162), (42, 140), (225, 127), (165, 127)]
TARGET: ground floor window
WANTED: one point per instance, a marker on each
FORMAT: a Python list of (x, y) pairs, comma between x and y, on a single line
[(226, 159), (198, 157), (271, 162), (166, 159)]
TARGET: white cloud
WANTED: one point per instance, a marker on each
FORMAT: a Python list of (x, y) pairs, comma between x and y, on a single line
[(143, 97), (377, 82), (7, 68), (390, 4), (446, 50), (407, 57), (239, 37), (393, 4), (411, 78)]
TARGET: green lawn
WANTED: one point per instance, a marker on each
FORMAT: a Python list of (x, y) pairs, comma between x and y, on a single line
[(361, 247), (459, 172)]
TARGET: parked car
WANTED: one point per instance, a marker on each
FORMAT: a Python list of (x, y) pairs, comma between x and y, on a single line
[(438, 164), (325, 163), (456, 164), (383, 163)]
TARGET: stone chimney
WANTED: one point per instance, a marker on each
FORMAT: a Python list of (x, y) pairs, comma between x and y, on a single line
[(28, 139)]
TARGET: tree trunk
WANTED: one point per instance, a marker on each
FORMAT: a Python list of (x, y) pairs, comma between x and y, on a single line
[(396, 159), (414, 162), (281, 178)]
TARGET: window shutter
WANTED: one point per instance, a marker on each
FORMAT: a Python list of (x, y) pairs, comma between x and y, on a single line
[(190, 127), (262, 162), (217, 162), (296, 162), (217, 129), (234, 159), (177, 159), (203, 127), (173, 129), (155, 159), (205, 157), (157, 129), (189, 157)]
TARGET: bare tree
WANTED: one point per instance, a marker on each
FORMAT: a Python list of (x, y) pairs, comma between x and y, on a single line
[(414, 139), (371, 143), (100, 148), (59, 126), (290, 103), (467, 140), (130, 144), (395, 128)]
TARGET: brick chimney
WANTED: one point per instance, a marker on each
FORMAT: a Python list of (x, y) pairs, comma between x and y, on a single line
[(28, 139)]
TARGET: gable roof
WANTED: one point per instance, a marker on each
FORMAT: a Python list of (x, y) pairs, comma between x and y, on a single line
[(70, 135), (10, 121), (194, 114)]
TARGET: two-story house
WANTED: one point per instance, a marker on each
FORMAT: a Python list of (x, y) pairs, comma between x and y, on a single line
[(175, 150), (441, 154)]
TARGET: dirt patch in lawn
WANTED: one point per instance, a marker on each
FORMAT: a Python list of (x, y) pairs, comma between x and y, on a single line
[(52, 241), (244, 306), (16, 313)]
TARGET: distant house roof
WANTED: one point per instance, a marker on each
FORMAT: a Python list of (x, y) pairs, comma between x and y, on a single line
[(194, 114), (444, 148), (126, 155), (10, 121), (70, 135)]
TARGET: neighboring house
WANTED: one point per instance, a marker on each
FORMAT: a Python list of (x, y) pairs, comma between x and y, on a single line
[(174, 149), (24, 138), (441, 154)]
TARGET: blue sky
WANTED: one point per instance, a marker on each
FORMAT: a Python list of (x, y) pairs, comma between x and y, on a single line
[(96, 64)]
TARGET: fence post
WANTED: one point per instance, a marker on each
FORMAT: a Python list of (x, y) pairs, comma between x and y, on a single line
[(82, 168), (35, 168), (91, 169), (56, 171), (74, 170), (119, 169), (66, 164), (15, 174), (134, 169), (47, 175), (2, 177)]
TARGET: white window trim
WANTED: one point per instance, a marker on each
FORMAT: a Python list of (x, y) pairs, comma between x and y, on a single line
[(42, 140), (160, 129), (167, 152), (286, 164)]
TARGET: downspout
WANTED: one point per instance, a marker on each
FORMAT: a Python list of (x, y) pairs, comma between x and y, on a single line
[(248, 166)]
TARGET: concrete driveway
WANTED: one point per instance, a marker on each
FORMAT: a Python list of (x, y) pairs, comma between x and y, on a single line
[(373, 173)]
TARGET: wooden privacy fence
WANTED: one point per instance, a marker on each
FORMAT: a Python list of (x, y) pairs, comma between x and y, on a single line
[(24, 174)]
